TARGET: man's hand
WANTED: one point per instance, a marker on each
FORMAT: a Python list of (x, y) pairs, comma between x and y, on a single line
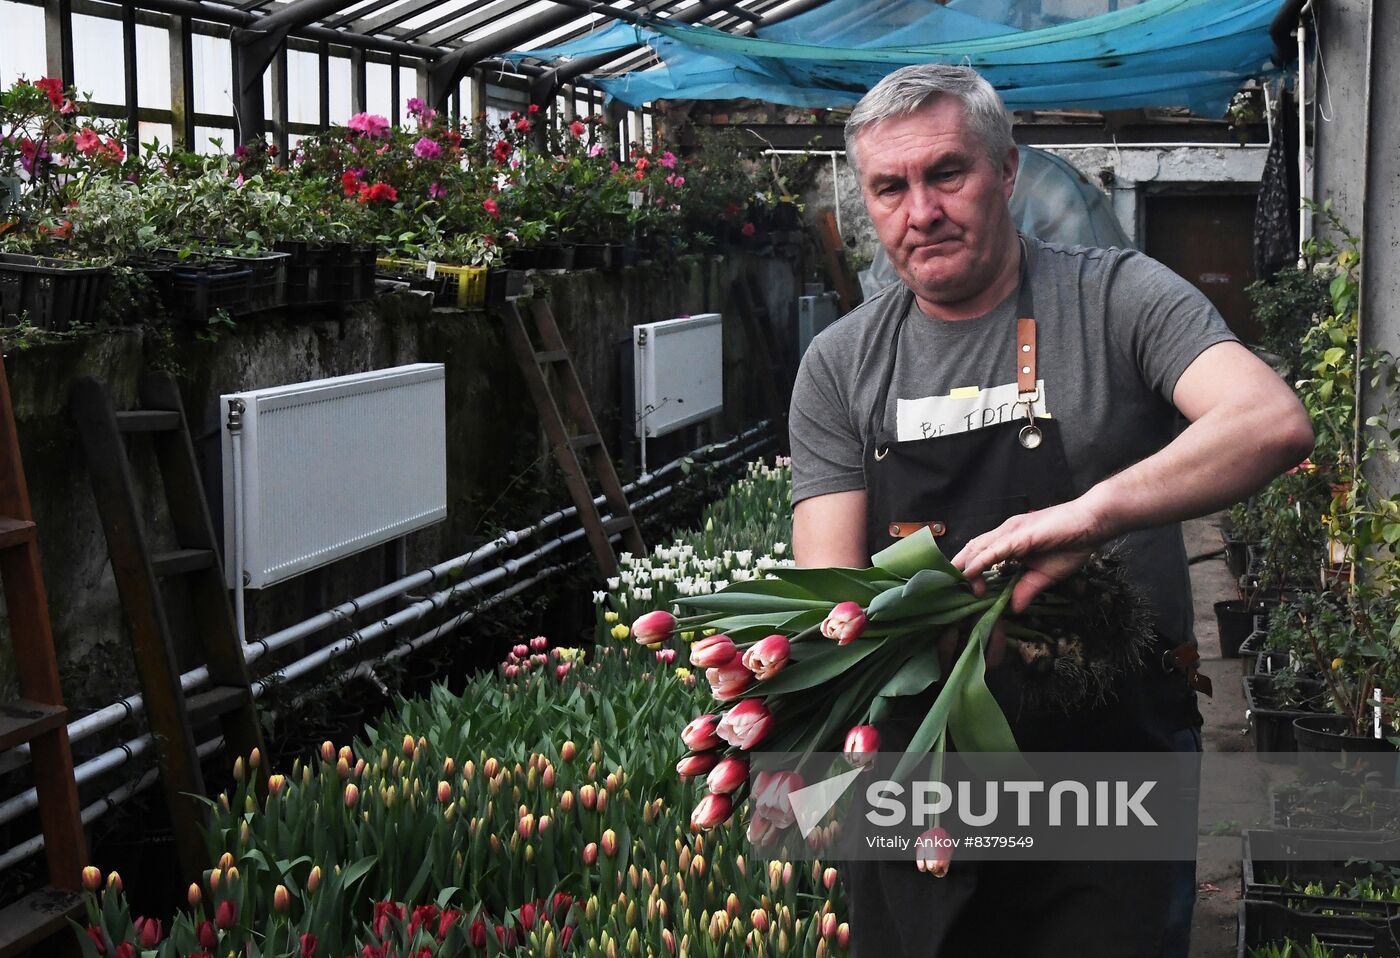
[(1051, 544)]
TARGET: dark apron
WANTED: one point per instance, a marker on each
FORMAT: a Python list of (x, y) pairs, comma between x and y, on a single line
[(961, 486)]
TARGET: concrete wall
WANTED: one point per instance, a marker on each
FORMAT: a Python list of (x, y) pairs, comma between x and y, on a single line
[(493, 431)]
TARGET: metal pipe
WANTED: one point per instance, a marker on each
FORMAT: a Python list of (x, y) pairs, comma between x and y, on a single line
[(1304, 193), (236, 408)]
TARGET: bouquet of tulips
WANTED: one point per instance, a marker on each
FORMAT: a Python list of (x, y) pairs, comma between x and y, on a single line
[(807, 659)]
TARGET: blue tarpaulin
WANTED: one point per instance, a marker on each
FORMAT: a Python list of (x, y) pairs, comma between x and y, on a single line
[(1156, 53)]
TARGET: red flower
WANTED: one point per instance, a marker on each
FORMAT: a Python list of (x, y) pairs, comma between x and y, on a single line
[(377, 192), (478, 934), (643, 163), (522, 125), (373, 951), (148, 931), (383, 911), (308, 945), (350, 182), (501, 152), (446, 921), (87, 141), (208, 937), (226, 916), (534, 108), (126, 950), (527, 915), (492, 210), (53, 88), (577, 129), (423, 915), (747, 229), (99, 941)]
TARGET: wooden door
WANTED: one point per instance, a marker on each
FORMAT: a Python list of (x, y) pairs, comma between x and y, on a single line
[(1208, 239)]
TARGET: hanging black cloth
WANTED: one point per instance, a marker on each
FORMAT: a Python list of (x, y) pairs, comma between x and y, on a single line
[(1276, 210)]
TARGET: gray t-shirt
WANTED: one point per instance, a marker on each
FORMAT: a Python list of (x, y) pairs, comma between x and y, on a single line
[(1114, 331)]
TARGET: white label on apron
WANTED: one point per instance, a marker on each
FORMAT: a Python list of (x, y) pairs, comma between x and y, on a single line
[(959, 412)]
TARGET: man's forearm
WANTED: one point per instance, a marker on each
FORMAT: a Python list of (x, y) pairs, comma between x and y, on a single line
[(1219, 459)]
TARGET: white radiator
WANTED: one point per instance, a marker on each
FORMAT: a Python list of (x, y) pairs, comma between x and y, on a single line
[(678, 369), (322, 470)]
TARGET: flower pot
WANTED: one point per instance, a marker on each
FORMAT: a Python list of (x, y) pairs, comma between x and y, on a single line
[(268, 287), (554, 257), (1235, 620), (1271, 723), (357, 271), (502, 284), (1237, 556), (593, 256), (50, 293), (1329, 733), (1274, 860), (1330, 806)]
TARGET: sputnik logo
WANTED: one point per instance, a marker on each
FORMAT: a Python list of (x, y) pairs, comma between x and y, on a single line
[(810, 804)]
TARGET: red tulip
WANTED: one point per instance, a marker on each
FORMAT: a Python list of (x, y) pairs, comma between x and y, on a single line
[(934, 852), (590, 854), (762, 829), (539, 643), (654, 627), (92, 879), (208, 937), (728, 775), (609, 843), (729, 681), (766, 657), (844, 623), (712, 651), (99, 941), (711, 811), (693, 766), (227, 915), (308, 945), (700, 733), (862, 742), (746, 724), (126, 950)]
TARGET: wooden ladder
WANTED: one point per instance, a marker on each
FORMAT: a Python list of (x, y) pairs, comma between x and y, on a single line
[(38, 716), (194, 562), (535, 364)]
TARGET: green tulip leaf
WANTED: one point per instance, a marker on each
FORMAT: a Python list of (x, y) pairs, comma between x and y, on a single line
[(920, 670), (749, 603), (912, 554), (835, 585)]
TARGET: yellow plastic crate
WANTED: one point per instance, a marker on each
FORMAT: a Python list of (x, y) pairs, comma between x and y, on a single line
[(465, 285)]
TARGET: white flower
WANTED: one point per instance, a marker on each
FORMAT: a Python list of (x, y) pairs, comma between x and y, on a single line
[(779, 548), (625, 558), (599, 598), (614, 583)]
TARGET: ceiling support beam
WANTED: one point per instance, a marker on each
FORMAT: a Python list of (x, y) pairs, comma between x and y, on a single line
[(255, 46)]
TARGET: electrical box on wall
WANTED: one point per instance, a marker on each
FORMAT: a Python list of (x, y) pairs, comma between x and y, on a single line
[(678, 372), (814, 313)]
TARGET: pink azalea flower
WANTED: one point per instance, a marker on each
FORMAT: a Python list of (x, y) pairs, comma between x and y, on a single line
[(427, 148)]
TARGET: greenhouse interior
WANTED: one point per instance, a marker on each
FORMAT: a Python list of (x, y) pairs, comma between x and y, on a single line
[(700, 478)]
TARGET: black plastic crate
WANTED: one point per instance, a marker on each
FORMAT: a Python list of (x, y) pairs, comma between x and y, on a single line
[(194, 290), (358, 266), (310, 273), (268, 286), (1274, 859), (1264, 922), (1334, 807), (50, 293)]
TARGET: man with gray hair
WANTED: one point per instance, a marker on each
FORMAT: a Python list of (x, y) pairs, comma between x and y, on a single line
[(1019, 400)]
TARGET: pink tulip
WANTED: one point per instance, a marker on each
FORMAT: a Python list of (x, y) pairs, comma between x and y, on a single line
[(539, 643), (148, 931), (770, 796), (711, 811), (728, 775), (728, 682), (713, 651), (862, 742), (844, 623), (767, 657), (693, 766), (934, 853), (746, 724), (700, 733), (666, 656), (520, 651), (654, 627), (762, 829)]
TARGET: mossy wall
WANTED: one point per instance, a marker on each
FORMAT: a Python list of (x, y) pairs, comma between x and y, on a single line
[(493, 430)]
